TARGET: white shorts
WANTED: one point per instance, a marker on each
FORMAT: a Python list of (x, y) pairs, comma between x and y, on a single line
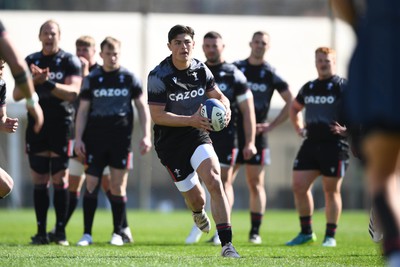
[(76, 168), (201, 153)]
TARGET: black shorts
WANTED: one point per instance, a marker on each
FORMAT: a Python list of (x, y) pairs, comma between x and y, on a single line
[(114, 152), (331, 158), (263, 156), (177, 161), (225, 145), (55, 136)]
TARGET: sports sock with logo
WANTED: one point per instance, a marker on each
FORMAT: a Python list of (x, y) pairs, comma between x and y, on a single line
[(60, 202), (118, 207), (41, 202), (89, 209)]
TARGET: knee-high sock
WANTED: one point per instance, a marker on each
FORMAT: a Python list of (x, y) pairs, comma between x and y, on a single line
[(89, 209), (73, 202), (60, 202), (118, 206), (124, 219), (41, 202)]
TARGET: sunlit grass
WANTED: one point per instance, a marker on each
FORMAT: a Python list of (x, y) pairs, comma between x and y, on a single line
[(159, 241)]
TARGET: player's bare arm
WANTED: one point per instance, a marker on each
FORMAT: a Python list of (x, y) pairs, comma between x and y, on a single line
[(162, 117), (249, 125), (81, 119), (144, 119), (22, 80), (68, 91), (282, 116), (296, 118), (7, 125)]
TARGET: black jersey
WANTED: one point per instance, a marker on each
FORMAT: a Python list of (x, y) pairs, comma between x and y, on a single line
[(94, 66), (61, 65), (110, 95), (263, 81), (182, 92), (3, 92), (232, 82), (322, 100), (76, 102), (373, 94)]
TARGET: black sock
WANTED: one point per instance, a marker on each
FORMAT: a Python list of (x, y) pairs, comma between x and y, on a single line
[(73, 202), (118, 207), (306, 225), (60, 203), (89, 209), (330, 229), (256, 219), (124, 219), (224, 233), (41, 202), (391, 236)]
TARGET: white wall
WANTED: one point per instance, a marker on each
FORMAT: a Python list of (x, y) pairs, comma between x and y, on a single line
[(293, 39)]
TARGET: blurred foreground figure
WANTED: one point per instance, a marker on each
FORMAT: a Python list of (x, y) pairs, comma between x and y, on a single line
[(24, 81), (7, 125), (372, 101)]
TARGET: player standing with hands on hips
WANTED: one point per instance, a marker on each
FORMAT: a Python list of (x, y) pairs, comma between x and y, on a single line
[(324, 151), (177, 87), (262, 80)]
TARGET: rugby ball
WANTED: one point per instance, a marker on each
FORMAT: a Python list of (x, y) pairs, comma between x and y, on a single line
[(215, 112)]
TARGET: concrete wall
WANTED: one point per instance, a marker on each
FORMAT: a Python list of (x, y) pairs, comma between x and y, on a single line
[(144, 39)]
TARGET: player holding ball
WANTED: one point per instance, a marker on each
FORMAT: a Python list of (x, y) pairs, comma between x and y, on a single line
[(176, 88)]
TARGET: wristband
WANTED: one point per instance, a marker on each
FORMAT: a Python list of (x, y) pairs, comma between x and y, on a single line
[(49, 85), (31, 102)]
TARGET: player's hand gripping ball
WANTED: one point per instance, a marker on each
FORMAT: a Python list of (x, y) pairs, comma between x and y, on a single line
[(215, 112)]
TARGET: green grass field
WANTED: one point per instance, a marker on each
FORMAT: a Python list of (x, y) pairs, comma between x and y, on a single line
[(159, 241)]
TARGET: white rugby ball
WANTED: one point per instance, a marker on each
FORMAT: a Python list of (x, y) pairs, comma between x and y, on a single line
[(215, 111)]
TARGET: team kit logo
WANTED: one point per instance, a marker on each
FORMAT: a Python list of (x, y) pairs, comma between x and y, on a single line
[(110, 92), (56, 75), (187, 95), (319, 99), (257, 87)]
